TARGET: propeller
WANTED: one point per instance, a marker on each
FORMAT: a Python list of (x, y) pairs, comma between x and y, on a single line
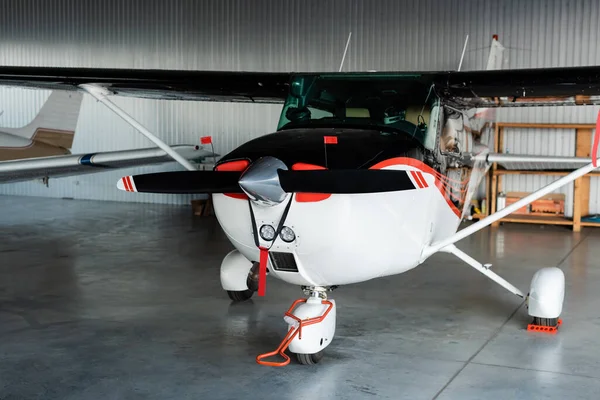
[(183, 182), (321, 181), (268, 180), (340, 181)]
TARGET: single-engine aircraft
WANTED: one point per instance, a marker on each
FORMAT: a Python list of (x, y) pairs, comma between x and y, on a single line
[(359, 180)]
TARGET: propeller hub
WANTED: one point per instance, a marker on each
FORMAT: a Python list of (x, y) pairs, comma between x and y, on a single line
[(261, 181)]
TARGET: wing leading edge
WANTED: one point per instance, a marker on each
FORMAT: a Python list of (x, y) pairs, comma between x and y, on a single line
[(78, 164), (532, 162), (490, 88)]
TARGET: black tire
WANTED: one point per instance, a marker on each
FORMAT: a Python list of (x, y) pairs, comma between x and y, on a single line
[(309, 359), (241, 295), (545, 321)]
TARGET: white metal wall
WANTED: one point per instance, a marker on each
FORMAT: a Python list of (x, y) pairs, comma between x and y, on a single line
[(272, 35)]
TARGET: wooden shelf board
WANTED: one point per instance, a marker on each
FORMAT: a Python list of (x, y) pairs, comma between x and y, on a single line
[(535, 219), (584, 223), (544, 126)]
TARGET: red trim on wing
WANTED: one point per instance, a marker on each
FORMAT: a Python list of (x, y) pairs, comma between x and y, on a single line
[(309, 197), (237, 165), (411, 162)]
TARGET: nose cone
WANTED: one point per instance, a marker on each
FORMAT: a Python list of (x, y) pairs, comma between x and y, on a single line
[(261, 181)]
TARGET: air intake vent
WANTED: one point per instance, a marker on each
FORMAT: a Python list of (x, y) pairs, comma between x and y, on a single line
[(283, 262)]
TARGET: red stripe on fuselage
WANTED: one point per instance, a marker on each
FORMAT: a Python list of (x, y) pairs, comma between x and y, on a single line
[(411, 162)]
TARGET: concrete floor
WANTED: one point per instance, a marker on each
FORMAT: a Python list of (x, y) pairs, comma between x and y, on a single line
[(123, 301)]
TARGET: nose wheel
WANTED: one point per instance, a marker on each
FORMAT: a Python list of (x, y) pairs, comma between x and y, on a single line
[(311, 327), (309, 359)]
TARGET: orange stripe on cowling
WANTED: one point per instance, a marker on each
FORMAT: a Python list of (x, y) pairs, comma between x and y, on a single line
[(411, 162), (237, 165), (423, 181), (309, 197), (416, 179)]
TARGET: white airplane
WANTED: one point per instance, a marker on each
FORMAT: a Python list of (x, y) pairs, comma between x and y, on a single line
[(41, 149), (355, 184)]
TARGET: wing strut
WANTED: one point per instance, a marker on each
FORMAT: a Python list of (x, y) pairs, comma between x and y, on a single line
[(101, 94), (463, 233), (483, 269)]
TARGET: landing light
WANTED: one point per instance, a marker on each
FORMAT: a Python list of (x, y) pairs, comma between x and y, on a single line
[(287, 234), (267, 232)]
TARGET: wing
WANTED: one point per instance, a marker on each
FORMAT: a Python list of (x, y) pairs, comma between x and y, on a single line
[(157, 84), (522, 87), (26, 169), (490, 88)]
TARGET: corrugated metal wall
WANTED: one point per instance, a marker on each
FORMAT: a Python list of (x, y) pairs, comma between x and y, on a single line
[(275, 35)]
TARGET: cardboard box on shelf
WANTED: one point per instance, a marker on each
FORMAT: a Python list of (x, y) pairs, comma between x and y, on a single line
[(550, 204)]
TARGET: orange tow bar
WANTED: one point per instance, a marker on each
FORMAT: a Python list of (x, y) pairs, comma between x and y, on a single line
[(291, 334)]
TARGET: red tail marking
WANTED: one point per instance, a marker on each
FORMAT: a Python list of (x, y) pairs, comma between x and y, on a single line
[(262, 271)]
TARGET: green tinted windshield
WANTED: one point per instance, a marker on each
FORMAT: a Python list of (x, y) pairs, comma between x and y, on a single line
[(401, 103)]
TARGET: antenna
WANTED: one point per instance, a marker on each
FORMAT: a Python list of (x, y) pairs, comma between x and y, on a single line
[(345, 51), (462, 56)]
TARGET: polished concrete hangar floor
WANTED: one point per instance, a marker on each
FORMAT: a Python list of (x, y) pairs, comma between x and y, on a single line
[(121, 301)]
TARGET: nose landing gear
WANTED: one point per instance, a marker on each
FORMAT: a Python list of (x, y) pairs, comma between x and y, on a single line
[(311, 326)]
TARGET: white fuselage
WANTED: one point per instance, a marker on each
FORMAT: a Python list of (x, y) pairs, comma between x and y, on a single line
[(348, 238)]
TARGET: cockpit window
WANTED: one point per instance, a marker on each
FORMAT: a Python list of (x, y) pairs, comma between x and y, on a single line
[(394, 103)]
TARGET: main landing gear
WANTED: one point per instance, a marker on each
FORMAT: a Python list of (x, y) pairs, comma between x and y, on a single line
[(239, 277), (311, 326), (546, 293)]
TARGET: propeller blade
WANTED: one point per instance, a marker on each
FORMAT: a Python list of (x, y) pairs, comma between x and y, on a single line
[(183, 182), (345, 181)]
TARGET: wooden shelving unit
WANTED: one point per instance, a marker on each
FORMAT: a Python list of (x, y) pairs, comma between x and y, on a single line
[(581, 192)]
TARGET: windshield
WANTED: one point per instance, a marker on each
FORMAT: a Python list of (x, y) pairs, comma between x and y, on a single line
[(399, 103)]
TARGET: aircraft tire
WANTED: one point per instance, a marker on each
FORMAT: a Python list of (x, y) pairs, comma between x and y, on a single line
[(242, 295), (309, 359)]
